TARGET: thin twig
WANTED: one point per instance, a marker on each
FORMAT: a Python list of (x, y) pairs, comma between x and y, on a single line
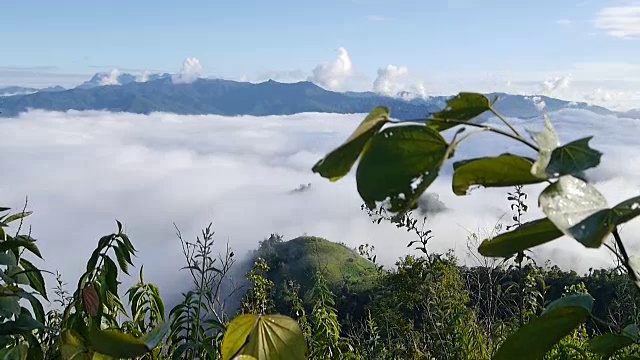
[(505, 121)]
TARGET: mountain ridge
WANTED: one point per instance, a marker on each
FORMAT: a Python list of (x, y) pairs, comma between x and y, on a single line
[(234, 98)]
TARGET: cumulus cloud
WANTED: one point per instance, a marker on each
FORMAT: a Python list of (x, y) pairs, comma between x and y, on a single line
[(332, 75), (394, 81), (556, 83), (620, 21), (190, 72), (143, 77), (111, 78), (83, 170)]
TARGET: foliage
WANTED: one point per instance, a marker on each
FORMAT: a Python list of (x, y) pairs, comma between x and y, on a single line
[(398, 163)]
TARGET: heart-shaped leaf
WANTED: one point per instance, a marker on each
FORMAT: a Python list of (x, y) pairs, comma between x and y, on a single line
[(526, 236), (398, 165), (573, 158), (273, 337), (534, 339), (463, 107), (338, 162), (547, 141), (503, 170)]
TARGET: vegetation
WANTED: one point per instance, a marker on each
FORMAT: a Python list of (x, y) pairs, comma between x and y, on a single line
[(309, 298)]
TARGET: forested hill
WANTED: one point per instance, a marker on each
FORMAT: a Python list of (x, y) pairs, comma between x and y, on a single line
[(231, 98)]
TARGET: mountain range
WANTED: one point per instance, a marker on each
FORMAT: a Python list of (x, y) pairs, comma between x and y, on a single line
[(158, 93)]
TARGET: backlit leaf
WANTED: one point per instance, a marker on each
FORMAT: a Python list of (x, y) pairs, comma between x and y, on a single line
[(338, 162), (568, 202), (399, 164), (116, 343), (573, 158), (547, 141), (526, 236), (267, 337), (463, 107), (36, 281), (503, 170), (534, 339)]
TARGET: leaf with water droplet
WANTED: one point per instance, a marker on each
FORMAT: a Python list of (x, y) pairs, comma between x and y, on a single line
[(547, 141)]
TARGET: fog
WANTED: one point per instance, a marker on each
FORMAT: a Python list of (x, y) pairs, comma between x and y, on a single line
[(83, 170)]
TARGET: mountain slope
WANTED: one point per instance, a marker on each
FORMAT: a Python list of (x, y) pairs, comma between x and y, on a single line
[(209, 96)]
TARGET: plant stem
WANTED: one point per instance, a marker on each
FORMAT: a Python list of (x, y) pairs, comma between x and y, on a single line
[(494, 130), (505, 122), (625, 256)]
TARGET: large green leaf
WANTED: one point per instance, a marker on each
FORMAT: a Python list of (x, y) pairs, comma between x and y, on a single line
[(398, 165), (463, 107), (116, 343), (581, 212), (568, 202), (9, 306), (272, 337), (15, 244), (16, 352), (22, 325), (534, 339), (524, 237), (607, 344), (36, 281), (547, 141), (503, 170), (573, 158), (338, 162)]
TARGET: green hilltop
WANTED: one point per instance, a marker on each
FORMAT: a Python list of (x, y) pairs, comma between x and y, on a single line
[(299, 259)]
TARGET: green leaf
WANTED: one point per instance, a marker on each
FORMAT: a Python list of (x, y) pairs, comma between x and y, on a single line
[(273, 337), (534, 339), (8, 258), (573, 158), (399, 164), (503, 170), (547, 141), (338, 162), (18, 216), (72, 346), (524, 237), (116, 343), (607, 344), (463, 107), (111, 275), (22, 325), (9, 306), (570, 201), (36, 305), (122, 261), (17, 273), (17, 352), (155, 336), (15, 244), (36, 281)]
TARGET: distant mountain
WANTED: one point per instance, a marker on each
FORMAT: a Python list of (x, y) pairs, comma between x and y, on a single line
[(210, 96), (157, 93), (116, 78), (19, 90)]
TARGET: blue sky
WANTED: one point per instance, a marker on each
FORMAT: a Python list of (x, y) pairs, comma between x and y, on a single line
[(245, 38)]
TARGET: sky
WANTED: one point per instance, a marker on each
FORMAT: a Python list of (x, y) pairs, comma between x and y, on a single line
[(83, 170), (588, 48)]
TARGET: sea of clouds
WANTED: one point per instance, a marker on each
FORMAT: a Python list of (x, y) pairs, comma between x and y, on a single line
[(83, 170)]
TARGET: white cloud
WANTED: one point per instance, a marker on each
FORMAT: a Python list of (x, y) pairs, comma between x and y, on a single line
[(332, 75), (111, 78), (83, 170), (143, 77), (394, 81), (620, 22), (190, 72), (558, 82)]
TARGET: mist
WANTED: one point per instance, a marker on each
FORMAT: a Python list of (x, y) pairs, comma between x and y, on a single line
[(83, 170)]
